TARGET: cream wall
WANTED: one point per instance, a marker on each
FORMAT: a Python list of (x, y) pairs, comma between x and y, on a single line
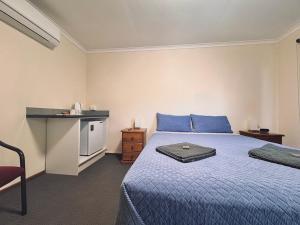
[(289, 122), (238, 81), (32, 75), (244, 82)]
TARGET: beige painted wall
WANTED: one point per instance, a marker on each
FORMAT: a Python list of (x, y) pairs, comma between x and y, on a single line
[(32, 75), (289, 122), (238, 81), (250, 81)]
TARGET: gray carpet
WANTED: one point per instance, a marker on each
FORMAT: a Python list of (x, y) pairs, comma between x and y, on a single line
[(92, 198)]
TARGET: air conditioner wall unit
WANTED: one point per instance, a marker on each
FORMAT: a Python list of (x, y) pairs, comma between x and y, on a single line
[(26, 18)]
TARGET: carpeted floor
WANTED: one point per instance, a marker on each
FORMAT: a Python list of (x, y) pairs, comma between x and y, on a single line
[(92, 198)]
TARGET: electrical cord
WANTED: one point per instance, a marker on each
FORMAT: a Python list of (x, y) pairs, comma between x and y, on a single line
[(298, 75)]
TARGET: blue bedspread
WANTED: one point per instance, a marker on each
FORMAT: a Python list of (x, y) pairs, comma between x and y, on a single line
[(227, 189)]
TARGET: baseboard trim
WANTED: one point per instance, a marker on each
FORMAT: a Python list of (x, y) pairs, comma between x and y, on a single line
[(113, 153), (27, 179)]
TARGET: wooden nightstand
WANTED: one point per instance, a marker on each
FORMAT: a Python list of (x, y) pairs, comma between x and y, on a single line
[(271, 137), (133, 142)]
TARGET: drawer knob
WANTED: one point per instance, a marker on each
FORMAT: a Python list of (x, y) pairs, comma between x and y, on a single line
[(131, 147), (132, 138)]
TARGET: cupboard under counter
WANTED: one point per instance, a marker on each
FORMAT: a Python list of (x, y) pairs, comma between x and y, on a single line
[(64, 140)]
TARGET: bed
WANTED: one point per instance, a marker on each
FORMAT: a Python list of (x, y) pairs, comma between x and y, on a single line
[(229, 188)]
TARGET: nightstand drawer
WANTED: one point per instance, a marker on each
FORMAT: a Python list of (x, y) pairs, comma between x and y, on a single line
[(133, 142), (132, 137), (130, 156), (271, 137), (132, 147), (276, 139)]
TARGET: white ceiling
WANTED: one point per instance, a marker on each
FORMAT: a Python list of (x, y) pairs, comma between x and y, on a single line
[(106, 24)]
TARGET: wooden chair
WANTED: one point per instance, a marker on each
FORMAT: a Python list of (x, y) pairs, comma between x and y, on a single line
[(9, 173)]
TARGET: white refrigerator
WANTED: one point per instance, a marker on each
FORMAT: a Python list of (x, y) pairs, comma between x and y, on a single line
[(92, 137)]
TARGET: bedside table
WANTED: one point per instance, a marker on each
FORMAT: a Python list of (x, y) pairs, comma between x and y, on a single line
[(271, 137), (133, 142)]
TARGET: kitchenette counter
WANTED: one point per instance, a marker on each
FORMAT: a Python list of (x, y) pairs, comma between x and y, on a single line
[(69, 135), (58, 113)]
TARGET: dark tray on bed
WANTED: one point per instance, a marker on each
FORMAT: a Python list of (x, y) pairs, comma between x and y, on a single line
[(193, 153)]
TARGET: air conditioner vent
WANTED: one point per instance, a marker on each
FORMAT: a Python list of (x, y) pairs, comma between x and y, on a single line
[(24, 17)]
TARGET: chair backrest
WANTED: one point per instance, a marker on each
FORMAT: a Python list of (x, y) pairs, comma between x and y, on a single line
[(17, 150)]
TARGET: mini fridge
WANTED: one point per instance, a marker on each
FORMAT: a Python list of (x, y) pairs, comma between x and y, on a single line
[(92, 137)]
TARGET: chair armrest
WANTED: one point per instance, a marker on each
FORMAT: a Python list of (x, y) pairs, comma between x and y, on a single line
[(17, 150)]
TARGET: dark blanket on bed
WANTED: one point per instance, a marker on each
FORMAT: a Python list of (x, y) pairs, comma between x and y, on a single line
[(186, 152), (276, 154)]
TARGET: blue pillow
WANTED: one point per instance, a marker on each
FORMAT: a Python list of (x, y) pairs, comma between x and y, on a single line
[(211, 124), (173, 123)]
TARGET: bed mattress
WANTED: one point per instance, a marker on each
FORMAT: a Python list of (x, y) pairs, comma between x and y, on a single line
[(228, 189)]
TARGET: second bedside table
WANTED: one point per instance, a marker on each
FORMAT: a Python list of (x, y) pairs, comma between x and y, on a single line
[(271, 137), (133, 142)]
